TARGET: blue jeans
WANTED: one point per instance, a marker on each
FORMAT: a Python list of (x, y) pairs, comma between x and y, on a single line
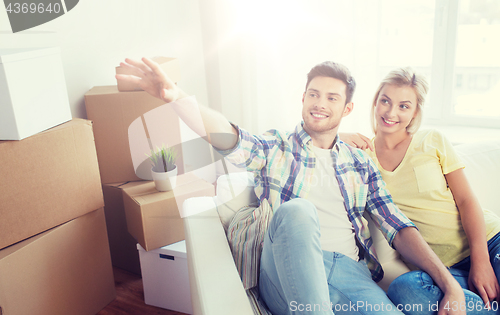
[(297, 277), (418, 287)]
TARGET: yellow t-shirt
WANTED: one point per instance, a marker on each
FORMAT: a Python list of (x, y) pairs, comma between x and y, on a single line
[(419, 189)]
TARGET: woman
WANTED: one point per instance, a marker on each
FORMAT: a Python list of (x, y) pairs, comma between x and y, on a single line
[(427, 182)]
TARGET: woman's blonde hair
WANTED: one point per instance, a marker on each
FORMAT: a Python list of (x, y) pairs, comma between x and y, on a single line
[(404, 77)]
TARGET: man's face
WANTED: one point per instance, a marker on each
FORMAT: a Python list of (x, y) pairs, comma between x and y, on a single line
[(323, 106)]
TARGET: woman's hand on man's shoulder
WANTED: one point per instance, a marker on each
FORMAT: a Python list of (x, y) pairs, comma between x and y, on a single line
[(356, 140)]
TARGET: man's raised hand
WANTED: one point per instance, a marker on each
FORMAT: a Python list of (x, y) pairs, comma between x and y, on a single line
[(150, 77)]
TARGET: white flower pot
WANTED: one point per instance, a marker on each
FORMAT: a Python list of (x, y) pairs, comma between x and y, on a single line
[(165, 181)]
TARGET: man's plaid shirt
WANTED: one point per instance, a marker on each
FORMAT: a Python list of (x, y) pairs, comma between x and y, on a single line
[(283, 165)]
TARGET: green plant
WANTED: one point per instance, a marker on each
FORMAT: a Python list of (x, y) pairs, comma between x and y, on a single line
[(163, 159)]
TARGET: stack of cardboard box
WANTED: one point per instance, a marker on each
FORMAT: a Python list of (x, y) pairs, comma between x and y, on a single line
[(54, 252), (128, 123)]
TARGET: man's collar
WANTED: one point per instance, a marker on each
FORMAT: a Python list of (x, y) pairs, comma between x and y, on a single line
[(304, 138)]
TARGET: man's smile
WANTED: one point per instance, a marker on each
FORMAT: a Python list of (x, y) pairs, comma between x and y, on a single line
[(317, 115)]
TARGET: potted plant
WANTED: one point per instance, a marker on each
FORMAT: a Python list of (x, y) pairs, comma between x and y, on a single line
[(163, 168)]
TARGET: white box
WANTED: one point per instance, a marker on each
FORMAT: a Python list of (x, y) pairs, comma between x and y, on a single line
[(165, 277), (33, 95), (28, 39)]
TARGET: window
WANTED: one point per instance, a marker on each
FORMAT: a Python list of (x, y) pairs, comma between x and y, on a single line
[(456, 45), (405, 36), (465, 83)]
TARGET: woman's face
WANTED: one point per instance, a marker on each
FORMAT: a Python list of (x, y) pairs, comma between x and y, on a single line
[(395, 108)]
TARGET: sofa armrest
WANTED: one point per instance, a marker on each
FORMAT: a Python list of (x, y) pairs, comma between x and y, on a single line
[(216, 287)]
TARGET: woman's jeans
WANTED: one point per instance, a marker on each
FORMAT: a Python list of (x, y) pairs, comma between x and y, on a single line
[(297, 277), (418, 287)]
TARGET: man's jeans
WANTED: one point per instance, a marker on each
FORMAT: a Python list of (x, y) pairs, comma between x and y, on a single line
[(418, 286), (297, 277)]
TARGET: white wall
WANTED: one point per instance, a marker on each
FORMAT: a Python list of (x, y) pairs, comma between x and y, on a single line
[(96, 35)]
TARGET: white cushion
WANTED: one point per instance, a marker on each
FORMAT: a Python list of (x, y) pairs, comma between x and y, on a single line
[(234, 191), (482, 168)]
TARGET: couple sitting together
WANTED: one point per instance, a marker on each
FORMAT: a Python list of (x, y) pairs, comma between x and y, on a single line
[(317, 250)]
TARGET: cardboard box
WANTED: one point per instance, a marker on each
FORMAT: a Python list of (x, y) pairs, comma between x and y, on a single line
[(165, 277), (47, 179), (169, 65), (33, 94), (65, 270), (112, 113), (153, 217), (122, 245)]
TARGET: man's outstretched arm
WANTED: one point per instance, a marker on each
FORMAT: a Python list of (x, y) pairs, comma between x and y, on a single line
[(202, 120), (412, 246)]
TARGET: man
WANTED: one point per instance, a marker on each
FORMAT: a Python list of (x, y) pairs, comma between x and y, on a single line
[(314, 182)]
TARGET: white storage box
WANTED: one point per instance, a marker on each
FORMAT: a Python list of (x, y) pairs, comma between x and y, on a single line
[(165, 277), (33, 95)]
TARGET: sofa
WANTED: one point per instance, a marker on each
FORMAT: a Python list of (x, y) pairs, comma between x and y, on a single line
[(216, 287)]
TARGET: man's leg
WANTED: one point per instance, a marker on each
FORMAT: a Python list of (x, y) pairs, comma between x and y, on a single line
[(292, 275), (352, 290), (418, 287)]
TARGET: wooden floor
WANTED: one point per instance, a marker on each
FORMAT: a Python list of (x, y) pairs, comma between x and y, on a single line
[(130, 297)]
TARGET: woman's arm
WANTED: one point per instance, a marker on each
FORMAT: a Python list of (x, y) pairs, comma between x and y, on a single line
[(411, 245), (482, 278)]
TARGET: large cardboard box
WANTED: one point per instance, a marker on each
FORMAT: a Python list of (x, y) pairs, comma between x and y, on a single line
[(169, 65), (122, 245), (112, 113), (154, 218), (47, 179), (65, 270), (33, 95), (165, 277)]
